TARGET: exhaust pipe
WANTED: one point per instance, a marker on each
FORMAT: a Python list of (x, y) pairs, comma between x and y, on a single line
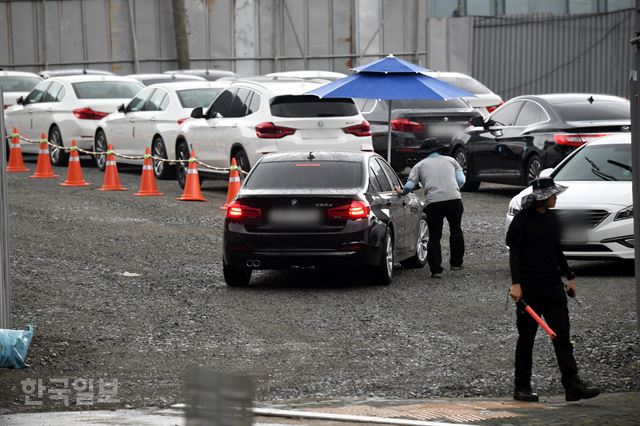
[(253, 263)]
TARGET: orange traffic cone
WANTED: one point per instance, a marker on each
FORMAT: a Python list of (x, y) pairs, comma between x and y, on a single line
[(148, 182), (74, 172), (43, 167), (111, 180), (192, 185), (16, 163), (234, 183)]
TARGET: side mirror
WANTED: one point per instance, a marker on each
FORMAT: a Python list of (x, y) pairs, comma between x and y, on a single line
[(121, 108), (477, 121), (546, 172), (20, 100), (197, 113)]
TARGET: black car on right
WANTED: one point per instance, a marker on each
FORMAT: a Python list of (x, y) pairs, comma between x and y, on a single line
[(534, 132)]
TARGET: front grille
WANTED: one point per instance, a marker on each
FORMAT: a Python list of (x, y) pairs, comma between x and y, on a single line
[(588, 219)]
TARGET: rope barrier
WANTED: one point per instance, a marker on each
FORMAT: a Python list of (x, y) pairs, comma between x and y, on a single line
[(128, 157)]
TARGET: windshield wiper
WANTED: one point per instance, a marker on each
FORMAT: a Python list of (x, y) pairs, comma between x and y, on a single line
[(622, 165), (596, 171)]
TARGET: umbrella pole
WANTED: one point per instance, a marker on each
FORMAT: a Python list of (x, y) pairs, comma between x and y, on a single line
[(389, 135)]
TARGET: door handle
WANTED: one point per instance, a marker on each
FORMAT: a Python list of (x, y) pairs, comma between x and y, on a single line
[(404, 203), (153, 119), (131, 120), (49, 109), (388, 203), (30, 111), (234, 125)]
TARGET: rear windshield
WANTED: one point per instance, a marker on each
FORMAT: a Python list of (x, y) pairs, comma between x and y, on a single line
[(194, 98), (106, 89), (310, 106), (598, 163), (18, 83), (427, 104), (598, 110), (468, 84), (306, 174)]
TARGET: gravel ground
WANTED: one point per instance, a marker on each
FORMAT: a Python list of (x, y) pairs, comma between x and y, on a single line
[(300, 335)]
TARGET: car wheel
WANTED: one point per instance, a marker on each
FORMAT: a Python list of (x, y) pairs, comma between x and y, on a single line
[(236, 276), (461, 157), (242, 160), (59, 157), (161, 169), (382, 273), (182, 153), (532, 169), (419, 259), (100, 145)]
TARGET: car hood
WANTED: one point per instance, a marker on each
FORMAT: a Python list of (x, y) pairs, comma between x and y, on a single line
[(588, 193)]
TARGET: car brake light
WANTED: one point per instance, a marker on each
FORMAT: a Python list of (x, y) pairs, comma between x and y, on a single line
[(237, 211), (575, 139), (5, 106), (362, 129), (406, 125), (89, 114), (492, 108), (353, 211), (271, 131), (182, 120)]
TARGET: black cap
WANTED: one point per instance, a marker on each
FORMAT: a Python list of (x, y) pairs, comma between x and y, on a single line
[(431, 145)]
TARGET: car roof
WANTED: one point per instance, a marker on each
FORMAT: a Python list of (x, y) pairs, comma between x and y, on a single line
[(92, 77), (73, 71), (615, 139), (293, 86), (165, 76), (307, 74), (8, 73), (199, 84), (561, 98), (203, 72), (318, 156)]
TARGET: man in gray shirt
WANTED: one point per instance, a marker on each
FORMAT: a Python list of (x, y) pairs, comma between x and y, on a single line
[(441, 177)]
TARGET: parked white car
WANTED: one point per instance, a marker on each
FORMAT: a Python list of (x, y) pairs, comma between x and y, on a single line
[(149, 79), (66, 108), (309, 75), (597, 208), (15, 84), (255, 117), (485, 101), (151, 119)]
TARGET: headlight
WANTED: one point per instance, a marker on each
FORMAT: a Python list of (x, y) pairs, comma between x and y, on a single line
[(626, 213), (513, 211)]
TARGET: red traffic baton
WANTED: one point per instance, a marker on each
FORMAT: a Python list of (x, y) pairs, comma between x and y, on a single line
[(539, 320)]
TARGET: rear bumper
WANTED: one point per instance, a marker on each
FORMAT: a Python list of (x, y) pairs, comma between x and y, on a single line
[(366, 256)]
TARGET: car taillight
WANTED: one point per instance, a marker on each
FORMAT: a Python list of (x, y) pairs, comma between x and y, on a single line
[(492, 108), (406, 125), (353, 211), (575, 139), (5, 106), (238, 211), (89, 114), (362, 129), (182, 120), (271, 131)]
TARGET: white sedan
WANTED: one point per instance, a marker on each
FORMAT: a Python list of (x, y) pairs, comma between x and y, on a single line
[(597, 208), (66, 108), (151, 119)]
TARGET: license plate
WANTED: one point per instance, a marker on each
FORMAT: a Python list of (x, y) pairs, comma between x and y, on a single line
[(294, 217), (436, 130), (574, 235), (319, 134)]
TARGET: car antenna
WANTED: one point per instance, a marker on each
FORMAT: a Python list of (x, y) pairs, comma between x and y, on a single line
[(590, 99), (311, 156)]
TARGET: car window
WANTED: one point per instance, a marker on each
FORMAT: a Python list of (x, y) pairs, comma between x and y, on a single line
[(238, 105), (222, 104), (506, 115), (598, 163), (253, 104), (531, 113), (11, 83), (595, 111), (154, 102), (61, 93), (106, 89), (469, 84), (37, 93), (194, 98), (164, 103), (138, 102), (365, 106), (305, 175), (373, 183), (309, 106), (391, 175), (379, 175), (52, 92)]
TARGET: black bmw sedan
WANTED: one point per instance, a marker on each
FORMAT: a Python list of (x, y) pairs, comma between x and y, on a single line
[(534, 132), (322, 209)]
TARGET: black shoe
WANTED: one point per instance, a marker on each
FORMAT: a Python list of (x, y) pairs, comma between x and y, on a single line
[(580, 390), (523, 394)]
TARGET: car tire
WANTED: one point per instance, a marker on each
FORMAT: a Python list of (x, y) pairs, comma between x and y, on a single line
[(100, 145), (161, 170), (461, 157), (532, 169), (183, 153), (235, 276), (242, 160), (419, 259), (382, 273), (59, 157)]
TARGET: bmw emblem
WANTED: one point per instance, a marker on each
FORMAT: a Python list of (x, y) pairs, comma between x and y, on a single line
[(320, 123), (446, 119), (625, 128), (294, 202)]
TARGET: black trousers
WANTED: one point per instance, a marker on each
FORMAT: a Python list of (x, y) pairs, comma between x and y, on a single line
[(436, 213), (546, 296)]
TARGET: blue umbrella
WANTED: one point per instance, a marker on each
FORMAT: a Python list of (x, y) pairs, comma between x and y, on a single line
[(388, 79)]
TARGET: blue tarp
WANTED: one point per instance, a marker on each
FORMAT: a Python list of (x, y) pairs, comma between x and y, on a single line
[(14, 345)]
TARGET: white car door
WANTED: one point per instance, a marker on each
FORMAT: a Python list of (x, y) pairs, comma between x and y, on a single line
[(147, 121), (21, 117), (228, 130), (207, 135), (42, 112), (121, 130)]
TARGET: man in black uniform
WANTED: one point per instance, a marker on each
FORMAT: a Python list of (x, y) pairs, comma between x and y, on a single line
[(536, 262)]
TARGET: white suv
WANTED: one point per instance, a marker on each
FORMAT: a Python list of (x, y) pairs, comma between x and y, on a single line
[(255, 117)]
